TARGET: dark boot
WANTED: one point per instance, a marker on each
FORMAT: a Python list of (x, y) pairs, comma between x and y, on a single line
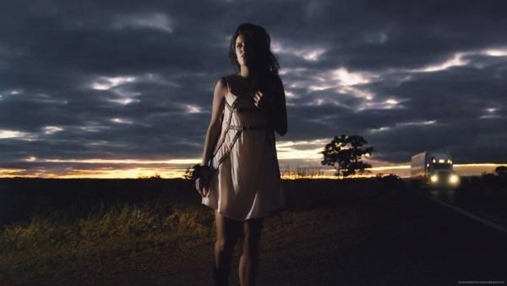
[(221, 277)]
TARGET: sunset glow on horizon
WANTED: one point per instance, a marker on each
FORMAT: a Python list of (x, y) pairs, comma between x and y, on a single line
[(297, 159), (176, 168)]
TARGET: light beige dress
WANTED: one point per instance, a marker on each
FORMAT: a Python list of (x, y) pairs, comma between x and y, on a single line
[(246, 183)]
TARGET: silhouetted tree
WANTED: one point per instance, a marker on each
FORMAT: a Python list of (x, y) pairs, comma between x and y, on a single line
[(344, 153), (501, 171), (188, 173)]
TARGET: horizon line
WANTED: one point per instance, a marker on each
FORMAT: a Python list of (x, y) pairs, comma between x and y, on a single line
[(173, 173)]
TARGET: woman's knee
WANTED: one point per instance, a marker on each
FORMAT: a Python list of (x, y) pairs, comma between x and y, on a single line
[(225, 244)]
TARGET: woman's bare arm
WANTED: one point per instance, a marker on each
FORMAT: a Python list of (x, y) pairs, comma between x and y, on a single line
[(214, 128)]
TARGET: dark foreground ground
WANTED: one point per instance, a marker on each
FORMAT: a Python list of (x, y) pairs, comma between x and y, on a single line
[(373, 237), (395, 239)]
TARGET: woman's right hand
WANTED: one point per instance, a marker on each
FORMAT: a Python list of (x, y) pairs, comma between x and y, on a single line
[(202, 183)]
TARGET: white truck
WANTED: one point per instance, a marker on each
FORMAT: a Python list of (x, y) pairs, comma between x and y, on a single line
[(434, 168)]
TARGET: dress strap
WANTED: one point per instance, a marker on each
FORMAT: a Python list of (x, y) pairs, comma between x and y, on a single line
[(227, 152), (247, 127), (238, 128), (228, 121), (229, 106)]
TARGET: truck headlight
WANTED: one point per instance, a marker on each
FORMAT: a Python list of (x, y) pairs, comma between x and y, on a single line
[(434, 178), (454, 179)]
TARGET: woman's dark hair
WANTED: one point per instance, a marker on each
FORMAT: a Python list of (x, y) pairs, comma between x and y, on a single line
[(264, 61)]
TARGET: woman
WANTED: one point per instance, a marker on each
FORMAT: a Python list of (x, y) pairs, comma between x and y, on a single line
[(241, 178)]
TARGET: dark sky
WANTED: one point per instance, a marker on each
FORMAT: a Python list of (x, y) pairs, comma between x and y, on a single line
[(118, 80)]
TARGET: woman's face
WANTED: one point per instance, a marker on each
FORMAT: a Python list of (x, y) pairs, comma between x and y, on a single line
[(243, 53)]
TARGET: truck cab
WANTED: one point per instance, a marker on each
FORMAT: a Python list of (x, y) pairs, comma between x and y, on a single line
[(435, 169)]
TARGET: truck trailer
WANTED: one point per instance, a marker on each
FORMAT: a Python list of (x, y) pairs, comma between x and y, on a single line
[(434, 168)]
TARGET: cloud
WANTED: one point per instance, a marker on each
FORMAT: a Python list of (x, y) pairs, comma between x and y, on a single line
[(133, 81), (151, 21)]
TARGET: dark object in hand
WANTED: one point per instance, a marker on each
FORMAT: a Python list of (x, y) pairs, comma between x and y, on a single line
[(199, 171)]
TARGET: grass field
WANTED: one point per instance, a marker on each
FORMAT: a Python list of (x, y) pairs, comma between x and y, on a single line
[(55, 228)]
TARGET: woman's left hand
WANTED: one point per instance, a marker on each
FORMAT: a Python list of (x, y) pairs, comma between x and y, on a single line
[(202, 187), (260, 101), (203, 181)]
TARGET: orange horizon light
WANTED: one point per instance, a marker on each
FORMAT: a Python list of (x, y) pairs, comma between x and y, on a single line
[(122, 169)]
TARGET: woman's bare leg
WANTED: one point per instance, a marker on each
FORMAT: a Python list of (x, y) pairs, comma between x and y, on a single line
[(228, 232), (249, 261)]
